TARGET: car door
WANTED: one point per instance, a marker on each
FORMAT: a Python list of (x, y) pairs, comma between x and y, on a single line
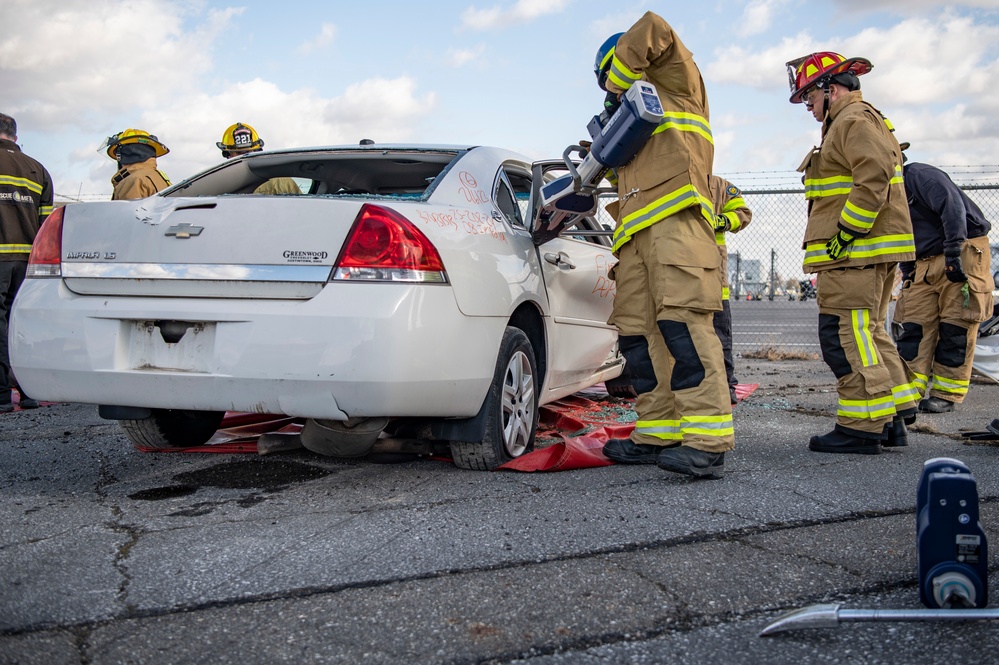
[(575, 265)]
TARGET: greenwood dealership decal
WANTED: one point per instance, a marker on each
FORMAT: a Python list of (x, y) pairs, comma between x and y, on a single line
[(298, 256)]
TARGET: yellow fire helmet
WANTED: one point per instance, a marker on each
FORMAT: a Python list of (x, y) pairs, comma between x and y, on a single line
[(133, 136), (239, 138)]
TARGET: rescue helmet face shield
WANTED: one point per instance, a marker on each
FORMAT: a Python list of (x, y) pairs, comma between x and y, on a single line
[(818, 70), (238, 139), (129, 136), (602, 63)]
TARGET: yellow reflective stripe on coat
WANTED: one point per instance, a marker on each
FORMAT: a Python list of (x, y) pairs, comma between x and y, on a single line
[(862, 248), (667, 430), (726, 294), (684, 197), (872, 409), (836, 185), (897, 179), (946, 385), (686, 122), (45, 211), (907, 392), (707, 425), (861, 320), (620, 75), (15, 249), (30, 185), (920, 381), (857, 216)]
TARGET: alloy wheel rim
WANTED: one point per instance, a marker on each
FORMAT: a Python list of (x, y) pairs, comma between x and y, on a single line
[(518, 404)]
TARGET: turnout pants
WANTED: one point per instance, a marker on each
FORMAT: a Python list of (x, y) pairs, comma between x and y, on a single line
[(11, 277), (664, 315), (872, 381), (940, 319), (722, 322)]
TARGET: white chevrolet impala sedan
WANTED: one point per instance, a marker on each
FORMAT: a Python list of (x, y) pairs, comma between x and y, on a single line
[(402, 291)]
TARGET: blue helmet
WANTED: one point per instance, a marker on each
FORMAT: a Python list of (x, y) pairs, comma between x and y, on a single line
[(603, 60)]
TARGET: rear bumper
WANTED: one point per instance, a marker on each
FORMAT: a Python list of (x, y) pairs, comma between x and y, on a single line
[(353, 350)]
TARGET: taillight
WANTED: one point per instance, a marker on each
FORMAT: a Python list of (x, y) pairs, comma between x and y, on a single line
[(45, 259), (385, 246)]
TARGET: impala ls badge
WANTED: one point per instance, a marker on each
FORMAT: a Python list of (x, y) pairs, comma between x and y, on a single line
[(184, 230)]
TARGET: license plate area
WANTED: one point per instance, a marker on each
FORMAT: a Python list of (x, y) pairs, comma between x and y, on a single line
[(183, 346)]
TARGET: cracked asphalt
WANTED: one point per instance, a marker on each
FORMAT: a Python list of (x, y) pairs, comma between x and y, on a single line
[(109, 555)]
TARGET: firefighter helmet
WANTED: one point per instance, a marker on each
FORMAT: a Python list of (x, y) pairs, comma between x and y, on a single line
[(112, 142), (239, 138), (819, 69), (602, 62)]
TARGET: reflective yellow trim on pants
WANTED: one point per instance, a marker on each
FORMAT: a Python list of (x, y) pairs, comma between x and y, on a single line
[(953, 386), (920, 381), (907, 392), (707, 425), (882, 407), (861, 319), (667, 430)]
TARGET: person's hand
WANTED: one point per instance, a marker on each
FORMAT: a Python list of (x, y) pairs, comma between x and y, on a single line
[(722, 224), (838, 244), (611, 103), (953, 270)]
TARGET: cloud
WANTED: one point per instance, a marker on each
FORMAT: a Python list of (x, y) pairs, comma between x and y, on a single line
[(386, 110), (758, 15), (102, 55), (523, 11), (459, 57), (325, 37)]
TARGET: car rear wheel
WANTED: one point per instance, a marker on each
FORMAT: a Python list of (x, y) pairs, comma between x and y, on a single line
[(512, 408), (172, 428)]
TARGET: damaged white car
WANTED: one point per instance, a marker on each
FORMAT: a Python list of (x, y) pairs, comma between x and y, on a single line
[(401, 292)]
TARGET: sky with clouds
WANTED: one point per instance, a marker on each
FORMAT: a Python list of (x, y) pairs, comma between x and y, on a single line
[(510, 73)]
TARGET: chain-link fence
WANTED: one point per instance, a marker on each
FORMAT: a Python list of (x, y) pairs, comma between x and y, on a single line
[(772, 298)]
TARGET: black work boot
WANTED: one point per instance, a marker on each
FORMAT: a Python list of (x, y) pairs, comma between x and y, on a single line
[(898, 436), (839, 441), (693, 462), (626, 451), (936, 405), (732, 396)]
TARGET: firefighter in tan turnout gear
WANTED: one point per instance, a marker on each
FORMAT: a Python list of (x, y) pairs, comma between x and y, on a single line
[(731, 216), (947, 290), (858, 230), (668, 274), (136, 151), (240, 139)]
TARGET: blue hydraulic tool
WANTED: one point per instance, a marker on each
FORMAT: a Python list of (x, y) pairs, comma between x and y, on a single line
[(952, 556), (951, 546), (616, 141)]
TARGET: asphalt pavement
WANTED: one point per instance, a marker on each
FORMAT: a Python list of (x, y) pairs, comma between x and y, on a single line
[(109, 555)]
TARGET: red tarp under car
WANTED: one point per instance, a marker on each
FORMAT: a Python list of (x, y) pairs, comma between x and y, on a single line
[(571, 432)]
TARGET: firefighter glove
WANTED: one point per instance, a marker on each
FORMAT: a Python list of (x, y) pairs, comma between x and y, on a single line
[(908, 269), (722, 224), (838, 244), (611, 103), (953, 269)]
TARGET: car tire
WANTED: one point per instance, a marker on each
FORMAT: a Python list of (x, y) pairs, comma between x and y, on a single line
[(173, 428), (342, 438), (511, 408)]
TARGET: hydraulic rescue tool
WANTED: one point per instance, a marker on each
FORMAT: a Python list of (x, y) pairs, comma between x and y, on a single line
[(616, 139), (952, 556)]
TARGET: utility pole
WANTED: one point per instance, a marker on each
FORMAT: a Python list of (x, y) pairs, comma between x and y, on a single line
[(773, 261)]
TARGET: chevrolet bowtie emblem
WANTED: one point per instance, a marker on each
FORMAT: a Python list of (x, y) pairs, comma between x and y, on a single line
[(184, 230)]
